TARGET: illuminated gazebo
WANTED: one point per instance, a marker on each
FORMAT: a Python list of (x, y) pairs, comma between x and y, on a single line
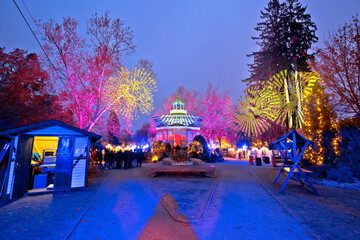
[(177, 128)]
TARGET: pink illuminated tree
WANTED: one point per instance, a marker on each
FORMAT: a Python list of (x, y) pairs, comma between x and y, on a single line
[(190, 98), (233, 131), (216, 108), (90, 69), (152, 129)]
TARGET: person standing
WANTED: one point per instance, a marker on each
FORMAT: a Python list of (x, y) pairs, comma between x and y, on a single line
[(106, 158), (99, 157), (123, 159), (118, 159), (131, 158), (92, 157), (135, 157), (140, 158), (126, 159), (111, 159)]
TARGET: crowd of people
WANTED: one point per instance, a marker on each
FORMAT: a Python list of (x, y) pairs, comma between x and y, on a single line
[(110, 159)]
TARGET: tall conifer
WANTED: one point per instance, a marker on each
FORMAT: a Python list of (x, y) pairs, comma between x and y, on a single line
[(113, 128), (285, 36)]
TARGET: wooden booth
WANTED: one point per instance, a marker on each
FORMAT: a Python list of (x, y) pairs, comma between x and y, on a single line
[(48, 156)]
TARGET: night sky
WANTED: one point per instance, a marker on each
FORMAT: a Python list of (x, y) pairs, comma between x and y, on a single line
[(190, 42)]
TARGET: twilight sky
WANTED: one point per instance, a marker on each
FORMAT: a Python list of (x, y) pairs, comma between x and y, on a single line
[(190, 42)]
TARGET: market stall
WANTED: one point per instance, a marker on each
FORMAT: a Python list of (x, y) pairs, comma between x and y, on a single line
[(48, 156)]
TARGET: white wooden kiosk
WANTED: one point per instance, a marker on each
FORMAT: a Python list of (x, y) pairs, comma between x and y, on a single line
[(63, 164)]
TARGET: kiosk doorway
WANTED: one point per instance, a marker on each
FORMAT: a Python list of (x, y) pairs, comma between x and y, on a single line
[(43, 163)]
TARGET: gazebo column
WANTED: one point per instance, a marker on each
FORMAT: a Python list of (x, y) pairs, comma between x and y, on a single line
[(167, 135)]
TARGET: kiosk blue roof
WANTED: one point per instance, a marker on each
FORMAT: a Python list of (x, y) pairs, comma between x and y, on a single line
[(55, 126)]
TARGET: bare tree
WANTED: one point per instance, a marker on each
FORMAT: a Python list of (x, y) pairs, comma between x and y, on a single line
[(338, 63)]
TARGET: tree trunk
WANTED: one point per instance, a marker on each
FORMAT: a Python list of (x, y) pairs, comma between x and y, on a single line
[(287, 97), (298, 95)]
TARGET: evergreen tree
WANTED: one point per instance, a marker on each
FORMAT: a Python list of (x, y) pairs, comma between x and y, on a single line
[(269, 37), (299, 35), (285, 36), (113, 128)]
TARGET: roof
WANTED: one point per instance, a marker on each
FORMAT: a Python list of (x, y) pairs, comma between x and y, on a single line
[(178, 119), (300, 140), (50, 123)]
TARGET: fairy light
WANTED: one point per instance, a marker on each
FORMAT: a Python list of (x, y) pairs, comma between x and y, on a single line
[(258, 144), (336, 141), (318, 117), (195, 147)]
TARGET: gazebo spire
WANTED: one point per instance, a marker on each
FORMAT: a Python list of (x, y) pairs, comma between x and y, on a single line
[(178, 103), (178, 106)]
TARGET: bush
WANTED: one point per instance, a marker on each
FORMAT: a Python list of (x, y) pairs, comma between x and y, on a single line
[(339, 176), (205, 155), (195, 149), (160, 150), (349, 146)]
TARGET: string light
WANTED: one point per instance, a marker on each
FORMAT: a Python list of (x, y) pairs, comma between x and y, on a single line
[(318, 117)]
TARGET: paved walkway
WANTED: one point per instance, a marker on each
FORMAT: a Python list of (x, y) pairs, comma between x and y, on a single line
[(333, 214), (120, 204)]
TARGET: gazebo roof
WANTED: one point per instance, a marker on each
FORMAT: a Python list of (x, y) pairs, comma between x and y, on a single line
[(178, 116), (178, 119)]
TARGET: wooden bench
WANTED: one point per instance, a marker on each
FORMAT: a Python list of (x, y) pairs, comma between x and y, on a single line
[(307, 185), (286, 170), (277, 162), (292, 146)]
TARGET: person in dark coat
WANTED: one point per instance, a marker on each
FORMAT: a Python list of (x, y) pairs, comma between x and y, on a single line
[(111, 159), (99, 157), (126, 159), (135, 158), (123, 158), (118, 159), (131, 157), (140, 158), (177, 148), (106, 158)]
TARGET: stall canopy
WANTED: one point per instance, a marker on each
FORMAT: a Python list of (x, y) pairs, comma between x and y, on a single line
[(288, 146)]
